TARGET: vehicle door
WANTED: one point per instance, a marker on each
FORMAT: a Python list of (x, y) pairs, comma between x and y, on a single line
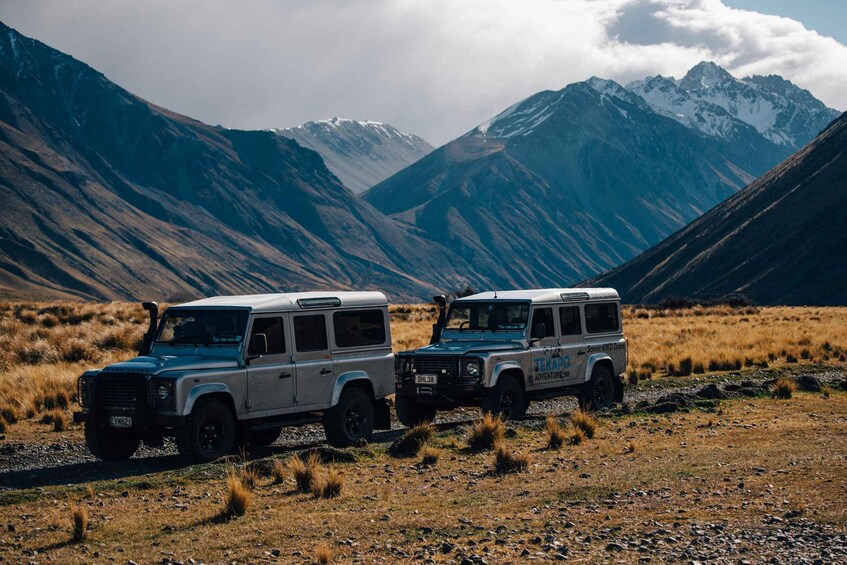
[(270, 377), (546, 355), (572, 342), (312, 361)]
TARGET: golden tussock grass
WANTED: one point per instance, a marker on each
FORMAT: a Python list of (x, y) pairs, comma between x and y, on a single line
[(429, 456), (784, 388), (79, 528), (327, 484), (278, 472), (826, 391), (507, 461), (323, 555), (485, 433), (555, 434), (237, 499), (304, 472), (584, 421), (413, 439), (576, 436)]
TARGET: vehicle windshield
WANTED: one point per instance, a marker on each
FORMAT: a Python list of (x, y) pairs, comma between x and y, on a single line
[(498, 316), (202, 327)]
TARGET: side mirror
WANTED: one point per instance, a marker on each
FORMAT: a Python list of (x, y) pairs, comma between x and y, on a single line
[(539, 330), (259, 345)]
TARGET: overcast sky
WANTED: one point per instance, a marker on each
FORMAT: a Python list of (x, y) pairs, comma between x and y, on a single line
[(435, 68)]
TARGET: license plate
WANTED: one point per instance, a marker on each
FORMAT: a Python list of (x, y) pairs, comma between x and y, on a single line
[(120, 421), (426, 379)]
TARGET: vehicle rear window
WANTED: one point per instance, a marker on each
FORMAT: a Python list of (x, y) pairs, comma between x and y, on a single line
[(569, 320), (602, 317), (359, 327), (274, 333), (310, 333), (543, 316)]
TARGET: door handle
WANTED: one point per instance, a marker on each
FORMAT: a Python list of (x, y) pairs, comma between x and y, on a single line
[(326, 371), (284, 375), (580, 352)]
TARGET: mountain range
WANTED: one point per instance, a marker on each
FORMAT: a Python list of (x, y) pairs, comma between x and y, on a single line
[(360, 153), (566, 184), (779, 241), (108, 196)]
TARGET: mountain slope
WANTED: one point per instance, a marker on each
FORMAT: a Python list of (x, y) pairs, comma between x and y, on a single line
[(360, 154), (107, 196), (780, 241), (561, 185)]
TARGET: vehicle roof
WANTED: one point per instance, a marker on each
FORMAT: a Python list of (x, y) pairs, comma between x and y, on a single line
[(287, 301), (544, 295)]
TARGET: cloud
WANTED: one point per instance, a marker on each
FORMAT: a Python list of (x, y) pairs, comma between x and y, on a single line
[(435, 68)]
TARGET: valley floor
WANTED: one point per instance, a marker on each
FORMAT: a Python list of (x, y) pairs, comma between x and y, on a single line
[(747, 479)]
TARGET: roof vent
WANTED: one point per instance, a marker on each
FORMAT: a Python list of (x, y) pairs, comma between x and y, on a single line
[(574, 296), (328, 302)]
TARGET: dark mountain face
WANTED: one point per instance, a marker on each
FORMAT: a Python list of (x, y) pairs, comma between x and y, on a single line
[(360, 154), (782, 240), (562, 185), (107, 196)]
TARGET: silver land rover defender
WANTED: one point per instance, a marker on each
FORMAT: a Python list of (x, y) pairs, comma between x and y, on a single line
[(500, 350), (220, 372)]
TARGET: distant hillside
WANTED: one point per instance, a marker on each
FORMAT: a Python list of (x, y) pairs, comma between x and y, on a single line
[(780, 241), (107, 196), (360, 154), (561, 186)]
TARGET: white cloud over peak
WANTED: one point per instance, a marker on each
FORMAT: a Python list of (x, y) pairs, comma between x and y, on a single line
[(435, 68)]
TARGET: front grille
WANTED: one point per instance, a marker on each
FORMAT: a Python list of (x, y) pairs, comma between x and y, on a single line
[(436, 365), (121, 390)]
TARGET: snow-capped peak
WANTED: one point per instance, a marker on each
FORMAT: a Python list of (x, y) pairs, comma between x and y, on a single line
[(705, 74)]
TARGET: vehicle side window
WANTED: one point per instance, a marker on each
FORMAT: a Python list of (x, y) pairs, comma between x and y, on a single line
[(359, 327), (602, 317), (569, 320), (310, 333), (543, 316), (274, 333)]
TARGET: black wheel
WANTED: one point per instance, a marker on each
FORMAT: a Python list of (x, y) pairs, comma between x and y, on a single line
[(599, 392), (208, 433), (109, 444), (506, 399), (351, 420), (410, 413), (264, 438)]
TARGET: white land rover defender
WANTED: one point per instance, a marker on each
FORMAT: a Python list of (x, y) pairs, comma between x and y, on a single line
[(224, 371), (500, 350)]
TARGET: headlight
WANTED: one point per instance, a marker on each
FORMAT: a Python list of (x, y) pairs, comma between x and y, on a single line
[(471, 368), (84, 387), (163, 392)]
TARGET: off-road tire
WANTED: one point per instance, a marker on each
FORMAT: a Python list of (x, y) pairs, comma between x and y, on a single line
[(506, 399), (264, 438), (599, 392), (351, 420), (109, 444), (410, 413), (208, 433)]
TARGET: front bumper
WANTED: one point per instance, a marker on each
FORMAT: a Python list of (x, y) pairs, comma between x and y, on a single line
[(442, 396), (139, 421)]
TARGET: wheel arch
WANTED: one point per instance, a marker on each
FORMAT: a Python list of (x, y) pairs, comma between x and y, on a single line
[(358, 379), (598, 359), (218, 391), (507, 368)]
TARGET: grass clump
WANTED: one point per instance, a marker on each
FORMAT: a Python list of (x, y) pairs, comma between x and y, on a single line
[(429, 456), (826, 391), (323, 555), (58, 420), (582, 420), (238, 498), (506, 461), (411, 442), (278, 472), (328, 484), (79, 515), (555, 434), (3, 425), (630, 447), (576, 437), (485, 433), (783, 388), (304, 472)]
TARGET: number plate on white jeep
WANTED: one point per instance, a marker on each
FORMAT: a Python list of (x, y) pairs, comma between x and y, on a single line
[(426, 379), (120, 422)]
